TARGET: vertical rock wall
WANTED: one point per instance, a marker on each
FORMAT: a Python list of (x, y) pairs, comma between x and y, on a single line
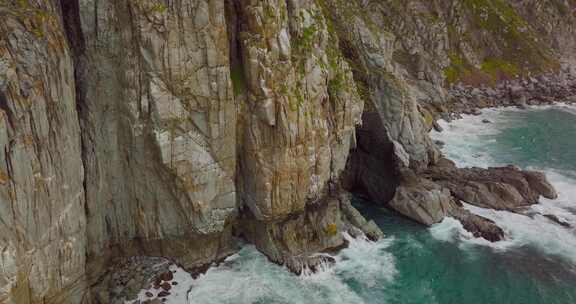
[(298, 117), (158, 120), (157, 127), (42, 206)]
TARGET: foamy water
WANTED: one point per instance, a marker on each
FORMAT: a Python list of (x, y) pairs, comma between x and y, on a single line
[(472, 142), (248, 277), (535, 264)]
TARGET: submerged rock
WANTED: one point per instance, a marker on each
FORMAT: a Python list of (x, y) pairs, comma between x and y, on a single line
[(557, 220)]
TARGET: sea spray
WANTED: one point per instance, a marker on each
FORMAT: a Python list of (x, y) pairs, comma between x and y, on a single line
[(248, 277), (445, 263), (498, 136)]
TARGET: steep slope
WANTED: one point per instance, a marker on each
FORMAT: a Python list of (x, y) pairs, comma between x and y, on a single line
[(172, 127), (42, 201)]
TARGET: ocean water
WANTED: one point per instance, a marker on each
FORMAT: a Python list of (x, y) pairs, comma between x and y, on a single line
[(443, 264)]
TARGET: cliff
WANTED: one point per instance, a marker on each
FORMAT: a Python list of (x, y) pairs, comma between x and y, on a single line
[(173, 127)]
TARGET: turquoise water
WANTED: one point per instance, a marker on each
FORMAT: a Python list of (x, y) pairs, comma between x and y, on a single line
[(442, 264), (538, 138)]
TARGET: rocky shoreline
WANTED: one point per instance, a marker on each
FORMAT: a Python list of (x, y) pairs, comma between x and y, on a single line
[(172, 128), (544, 89), (430, 195)]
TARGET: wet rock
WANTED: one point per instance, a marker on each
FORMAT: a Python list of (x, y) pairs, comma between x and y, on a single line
[(540, 184), (477, 225), (298, 265), (504, 188), (437, 126), (166, 286), (353, 216), (166, 276), (163, 294), (557, 220), (129, 276), (440, 143), (428, 203)]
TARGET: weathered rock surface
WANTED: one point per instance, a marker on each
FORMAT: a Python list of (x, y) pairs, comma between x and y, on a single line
[(505, 188), (428, 203), (299, 111), (479, 226), (294, 241), (422, 200), (42, 199), (437, 193), (357, 224), (159, 127)]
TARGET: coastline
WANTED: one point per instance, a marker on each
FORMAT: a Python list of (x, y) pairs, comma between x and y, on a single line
[(541, 90), (548, 225)]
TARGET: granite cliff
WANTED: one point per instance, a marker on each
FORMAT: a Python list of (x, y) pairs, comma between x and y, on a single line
[(176, 127)]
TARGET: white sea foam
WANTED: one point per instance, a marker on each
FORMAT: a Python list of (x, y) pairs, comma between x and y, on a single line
[(467, 142), (535, 231), (249, 277)]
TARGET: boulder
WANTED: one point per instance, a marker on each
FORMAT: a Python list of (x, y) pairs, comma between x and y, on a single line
[(477, 225), (426, 206)]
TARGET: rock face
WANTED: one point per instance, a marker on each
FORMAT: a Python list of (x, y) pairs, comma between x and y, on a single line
[(42, 198), (437, 192), (158, 121), (171, 127), (298, 115)]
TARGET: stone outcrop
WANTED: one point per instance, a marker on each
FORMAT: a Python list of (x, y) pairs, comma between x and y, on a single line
[(158, 121), (437, 193), (505, 188), (171, 127), (422, 200), (427, 202), (299, 111), (477, 225), (125, 132)]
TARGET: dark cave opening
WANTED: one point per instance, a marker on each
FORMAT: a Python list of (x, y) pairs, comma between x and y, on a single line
[(371, 170)]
